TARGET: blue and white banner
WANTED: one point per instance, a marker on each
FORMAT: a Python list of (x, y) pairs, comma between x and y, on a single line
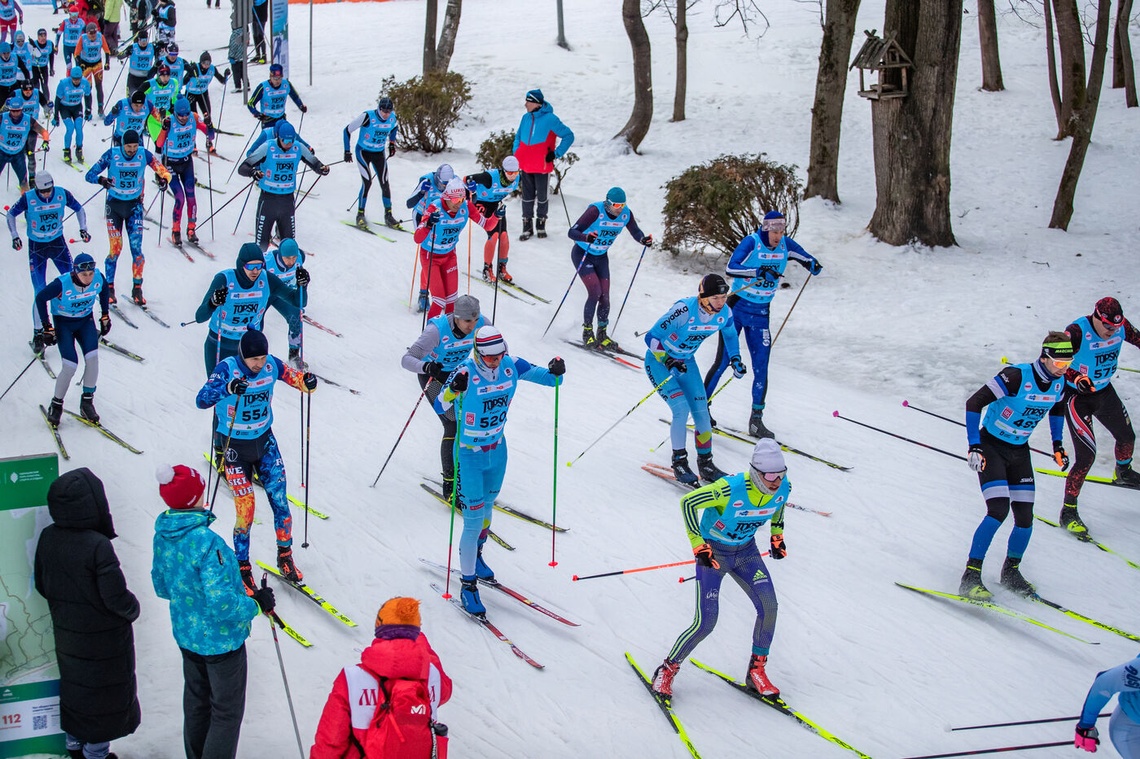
[(279, 33)]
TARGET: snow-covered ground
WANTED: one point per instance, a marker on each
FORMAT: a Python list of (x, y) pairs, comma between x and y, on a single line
[(884, 669)]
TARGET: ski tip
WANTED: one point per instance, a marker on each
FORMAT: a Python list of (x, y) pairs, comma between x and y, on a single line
[(905, 402)]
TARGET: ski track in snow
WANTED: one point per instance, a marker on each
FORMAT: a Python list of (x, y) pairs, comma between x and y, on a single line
[(882, 668)]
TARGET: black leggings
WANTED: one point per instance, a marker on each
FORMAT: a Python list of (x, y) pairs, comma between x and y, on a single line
[(594, 272), (1106, 407), (274, 210), (447, 419)]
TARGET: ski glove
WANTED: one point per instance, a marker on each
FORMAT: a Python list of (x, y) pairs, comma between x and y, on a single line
[(815, 268), (1087, 738), (459, 383), (1084, 385), (347, 156), (591, 237), (218, 297), (304, 109), (265, 599), (310, 381), (431, 219), (87, 115), (391, 149), (104, 325), (770, 276), (84, 236), (237, 386), (501, 211), (303, 277), (779, 550), (48, 336), (17, 243), (1059, 455), (166, 124), (106, 182), (257, 174), (704, 554), (738, 367), (647, 241), (162, 183), (557, 366), (975, 458), (676, 365), (435, 370), (322, 169)]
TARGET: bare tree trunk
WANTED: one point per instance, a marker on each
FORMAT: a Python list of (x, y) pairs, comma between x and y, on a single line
[(1123, 69), (988, 36), (830, 87), (1051, 58), (682, 62), (446, 46), (637, 127), (912, 133), (1083, 118), (1072, 43), (431, 19)]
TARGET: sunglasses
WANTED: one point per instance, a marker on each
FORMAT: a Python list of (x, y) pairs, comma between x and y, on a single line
[(772, 478), (617, 206), (254, 266), (1062, 363), (86, 267), (776, 225)]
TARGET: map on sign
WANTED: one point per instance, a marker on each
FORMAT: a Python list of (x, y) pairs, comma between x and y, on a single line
[(27, 645)]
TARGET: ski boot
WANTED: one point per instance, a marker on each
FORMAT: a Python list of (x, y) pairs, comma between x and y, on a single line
[(192, 232), (285, 563), (245, 569), (757, 678), (1012, 578), (176, 237), (210, 145), (448, 486), (361, 222), (708, 470), (756, 426), (588, 338), (390, 220), (971, 585), (422, 303), (681, 470), (67, 155), (1127, 476), (504, 274), (540, 227), (528, 229), (295, 359), (604, 340), (137, 295), (488, 273), (111, 293), (469, 596), (101, 114), (663, 678), (482, 571), (38, 344), (79, 153), (55, 411), (87, 407), (1071, 521)]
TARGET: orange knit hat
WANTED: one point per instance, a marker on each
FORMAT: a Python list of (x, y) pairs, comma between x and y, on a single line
[(399, 611)]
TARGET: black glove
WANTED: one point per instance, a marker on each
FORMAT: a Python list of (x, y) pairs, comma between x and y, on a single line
[(257, 174), (162, 183), (310, 381), (431, 219), (87, 115), (55, 119), (226, 75), (48, 335), (166, 124), (322, 169), (1084, 385), (218, 297), (557, 366), (501, 211), (975, 458), (391, 149), (304, 108), (237, 386), (104, 325), (816, 268), (738, 367), (303, 277), (107, 182), (18, 244), (435, 370), (779, 551), (647, 241), (550, 156), (459, 383), (591, 236), (704, 554), (347, 156), (770, 276), (264, 598), (1059, 455), (676, 364), (84, 236)]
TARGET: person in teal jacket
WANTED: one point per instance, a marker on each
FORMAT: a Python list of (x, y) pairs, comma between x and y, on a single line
[(540, 138), (210, 613)]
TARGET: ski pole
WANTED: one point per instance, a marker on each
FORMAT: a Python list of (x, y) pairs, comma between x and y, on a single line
[(562, 195), (400, 436), (231, 200), (225, 450), (272, 616), (960, 423), (619, 421), (238, 163), (21, 374), (301, 179), (454, 489), (306, 414), (84, 203), (572, 279), (122, 68), (242, 212), (576, 578), (900, 437), (415, 268), (554, 490), (630, 288), (429, 267), (210, 179), (161, 206), (1022, 722), (221, 110), (308, 459), (314, 184), (790, 310), (495, 301), (711, 397), (1000, 749), (469, 261)]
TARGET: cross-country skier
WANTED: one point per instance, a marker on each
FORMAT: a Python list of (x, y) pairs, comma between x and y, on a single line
[(16, 128), (34, 100), (175, 63), (68, 33), (444, 344), (274, 166), (437, 234), (756, 267), (142, 55), (1089, 394), (1015, 401), (177, 143), (377, 143), (165, 21), (10, 69), (539, 140), (125, 181), (431, 185), (259, 27), (44, 207), (671, 364), (72, 107), (89, 57), (481, 389), (286, 263), (490, 189), (593, 234), (9, 11), (240, 390), (161, 92), (1124, 726), (129, 113), (723, 539), (43, 61), (237, 300), (272, 95), (198, 78), (72, 298), (22, 51)]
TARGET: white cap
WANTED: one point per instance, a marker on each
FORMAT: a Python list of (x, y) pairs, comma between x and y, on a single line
[(767, 457), (489, 341), (510, 163), (455, 188)]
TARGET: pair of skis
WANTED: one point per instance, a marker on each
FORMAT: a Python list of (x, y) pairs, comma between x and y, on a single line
[(616, 354), (666, 473), (447, 502), (97, 425), (508, 510), (744, 437)]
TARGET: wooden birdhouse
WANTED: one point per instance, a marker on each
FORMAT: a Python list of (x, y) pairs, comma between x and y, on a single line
[(887, 63)]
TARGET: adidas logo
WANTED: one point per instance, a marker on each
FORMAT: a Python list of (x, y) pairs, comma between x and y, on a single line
[(759, 576)]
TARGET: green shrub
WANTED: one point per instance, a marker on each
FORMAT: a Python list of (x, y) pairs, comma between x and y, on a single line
[(716, 204), (427, 108), (494, 149)]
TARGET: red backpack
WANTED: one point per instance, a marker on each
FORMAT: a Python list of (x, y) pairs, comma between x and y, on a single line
[(402, 726)]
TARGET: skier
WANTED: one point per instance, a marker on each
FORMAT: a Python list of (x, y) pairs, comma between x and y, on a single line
[(1015, 401), (272, 95), (240, 390), (15, 131), (1124, 726), (129, 113), (175, 63), (539, 140), (286, 263), (10, 69), (236, 57), (260, 22), (161, 92), (756, 267), (43, 61), (377, 133), (10, 13), (437, 234), (72, 298), (72, 107), (723, 540), (489, 378), (34, 99), (446, 342), (89, 57), (125, 166), (198, 78), (274, 166), (23, 52), (1089, 395), (142, 60), (165, 20), (44, 207), (238, 299), (672, 368), (431, 185), (593, 234), (68, 33), (177, 144), (490, 189)]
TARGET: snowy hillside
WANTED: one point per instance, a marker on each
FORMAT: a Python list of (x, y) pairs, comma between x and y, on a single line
[(882, 668)]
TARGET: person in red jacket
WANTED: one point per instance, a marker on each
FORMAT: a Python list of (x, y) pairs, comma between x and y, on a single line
[(385, 707), (540, 138)]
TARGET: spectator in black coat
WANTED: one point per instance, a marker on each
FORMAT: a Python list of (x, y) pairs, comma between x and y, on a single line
[(92, 611)]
